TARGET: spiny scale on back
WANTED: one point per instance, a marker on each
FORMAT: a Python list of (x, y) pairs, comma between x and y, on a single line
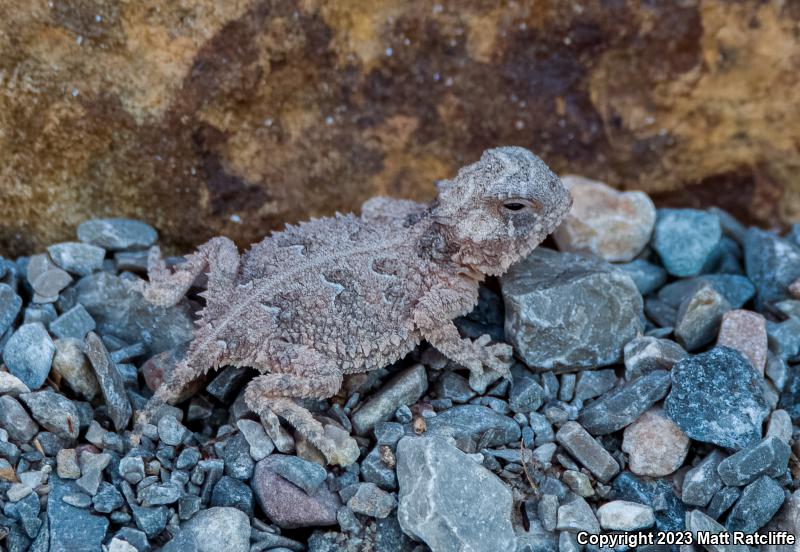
[(305, 285)]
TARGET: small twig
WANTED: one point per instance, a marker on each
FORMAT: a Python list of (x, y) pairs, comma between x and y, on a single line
[(533, 485)]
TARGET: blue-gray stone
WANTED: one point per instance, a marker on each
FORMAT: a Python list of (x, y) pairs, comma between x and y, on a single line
[(760, 500), (134, 537), (16, 421), (76, 322), (374, 470), (42, 541), (107, 499), (772, 263), (220, 528), (184, 541), (44, 313), (593, 383), (189, 505), (702, 481), (685, 239), (566, 311), (622, 406), (646, 354), (77, 258), (731, 227), (656, 493), (660, 313), (389, 433), (784, 338), (770, 457), (127, 316), (188, 458), (526, 395), (475, 422), (238, 462), (160, 494), (28, 512), (171, 431), (72, 529), (16, 540), (234, 493), (736, 289), (54, 412), (648, 277), (111, 383), (227, 383), (10, 304), (303, 473), (29, 354), (699, 317), (454, 387), (717, 397), (790, 395), (449, 501), (117, 233), (722, 501), (150, 520)]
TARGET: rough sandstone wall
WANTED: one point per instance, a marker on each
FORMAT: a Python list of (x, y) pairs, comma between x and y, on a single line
[(205, 117)]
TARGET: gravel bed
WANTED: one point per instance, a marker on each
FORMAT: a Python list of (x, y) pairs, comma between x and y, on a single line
[(656, 388)]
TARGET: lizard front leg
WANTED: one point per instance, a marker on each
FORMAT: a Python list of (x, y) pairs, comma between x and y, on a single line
[(218, 256), (433, 317)]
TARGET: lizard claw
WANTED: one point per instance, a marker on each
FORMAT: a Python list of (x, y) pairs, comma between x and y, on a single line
[(497, 357)]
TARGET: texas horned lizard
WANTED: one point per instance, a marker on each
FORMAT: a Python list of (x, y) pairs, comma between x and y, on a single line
[(351, 294)]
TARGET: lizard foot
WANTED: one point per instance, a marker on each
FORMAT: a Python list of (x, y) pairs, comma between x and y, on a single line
[(491, 363)]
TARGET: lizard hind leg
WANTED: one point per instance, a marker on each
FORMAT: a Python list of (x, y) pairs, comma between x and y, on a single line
[(272, 393)]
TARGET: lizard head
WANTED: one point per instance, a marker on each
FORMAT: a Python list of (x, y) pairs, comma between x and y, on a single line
[(497, 210)]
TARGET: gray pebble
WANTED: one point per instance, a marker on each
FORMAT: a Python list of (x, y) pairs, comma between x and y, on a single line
[(110, 381), (76, 322), (10, 305), (77, 258), (234, 493), (702, 405), (770, 457), (372, 501), (403, 389), (699, 317), (303, 473), (157, 495), (621, 407), (722, 501), (117, 233), (702, 481), (577, 516), (593, 383), (107, 499), (28, 354), (566, 311), (16, 421), (760, 500), (54, 412), (238, 462), (586, 450), (647, 354), (685, 239), (171, 431)]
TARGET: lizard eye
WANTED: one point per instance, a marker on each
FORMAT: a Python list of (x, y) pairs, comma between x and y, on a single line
[(515, 205)]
